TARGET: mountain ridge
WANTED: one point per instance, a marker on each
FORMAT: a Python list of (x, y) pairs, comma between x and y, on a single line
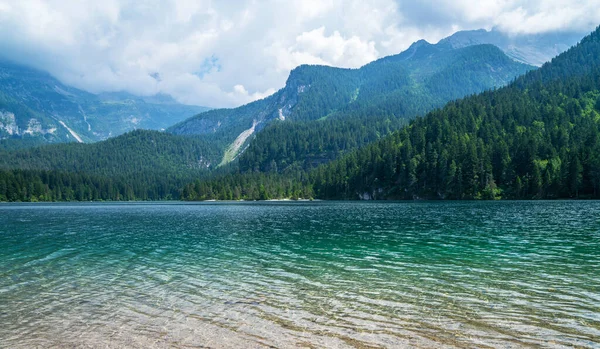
[(315, 92), (533, 49), (37, 108), (537, 138)]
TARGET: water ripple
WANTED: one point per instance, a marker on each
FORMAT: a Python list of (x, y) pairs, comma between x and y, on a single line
[(335, 275)]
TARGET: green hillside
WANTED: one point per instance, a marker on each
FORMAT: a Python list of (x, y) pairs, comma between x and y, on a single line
[(138, 165), (537, 138)]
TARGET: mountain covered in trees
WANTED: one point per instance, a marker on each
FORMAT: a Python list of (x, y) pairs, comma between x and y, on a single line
[(335, 110), (537, 138), (36, 108), (139, 165)]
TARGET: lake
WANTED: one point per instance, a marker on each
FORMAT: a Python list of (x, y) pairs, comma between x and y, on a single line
[(300, 274)]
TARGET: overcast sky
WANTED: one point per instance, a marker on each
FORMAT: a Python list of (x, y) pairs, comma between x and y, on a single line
[(226, 53)]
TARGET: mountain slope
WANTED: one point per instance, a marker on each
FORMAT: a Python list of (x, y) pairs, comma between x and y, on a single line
[(394, 88), (133, 153), (376, 113), (17, 120), (537, 138), (36, 107), (142, 165)]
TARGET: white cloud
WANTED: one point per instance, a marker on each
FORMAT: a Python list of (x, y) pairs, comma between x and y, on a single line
[(551, 16), (350, 52), (316, 47), (226, 53)]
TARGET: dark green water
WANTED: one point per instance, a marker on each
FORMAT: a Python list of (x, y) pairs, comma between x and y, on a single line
[(475, 274)]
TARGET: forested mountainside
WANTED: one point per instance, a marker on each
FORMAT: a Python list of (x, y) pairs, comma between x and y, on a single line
[(537, 138), (152, 165), (36, 109), (138, 165), (385, 105), (377, 98)]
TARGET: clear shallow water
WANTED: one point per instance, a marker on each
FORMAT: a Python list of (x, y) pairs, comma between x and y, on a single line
[(366, 275)]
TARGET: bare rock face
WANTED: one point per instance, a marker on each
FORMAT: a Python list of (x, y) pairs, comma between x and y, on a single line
[(8, 123)]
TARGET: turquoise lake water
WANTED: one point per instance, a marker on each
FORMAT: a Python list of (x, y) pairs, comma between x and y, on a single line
[(314, 274)]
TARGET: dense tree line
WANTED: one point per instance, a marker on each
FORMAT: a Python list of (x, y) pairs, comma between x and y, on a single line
[(16, 143), (34, 186), (140, 165), (137, 153), (252, 186), (305, 145)]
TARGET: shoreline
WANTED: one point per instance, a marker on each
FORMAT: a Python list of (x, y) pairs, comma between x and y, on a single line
[(289, 201)]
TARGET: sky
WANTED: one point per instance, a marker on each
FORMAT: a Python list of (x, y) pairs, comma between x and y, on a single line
[(229, 52)]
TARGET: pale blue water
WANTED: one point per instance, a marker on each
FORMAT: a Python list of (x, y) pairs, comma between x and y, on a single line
[(219, 275)]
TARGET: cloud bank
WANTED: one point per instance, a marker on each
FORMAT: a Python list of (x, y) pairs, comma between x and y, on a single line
[(230, 52)]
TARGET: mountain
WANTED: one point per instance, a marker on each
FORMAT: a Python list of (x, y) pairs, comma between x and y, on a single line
[(156, 165), (533, 49), (36, 108), (537, 138), (385, 92), (141, 165)]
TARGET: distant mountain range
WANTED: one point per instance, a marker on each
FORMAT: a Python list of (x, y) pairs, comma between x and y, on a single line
[(387, 91), (533, 49), (36, 108)]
